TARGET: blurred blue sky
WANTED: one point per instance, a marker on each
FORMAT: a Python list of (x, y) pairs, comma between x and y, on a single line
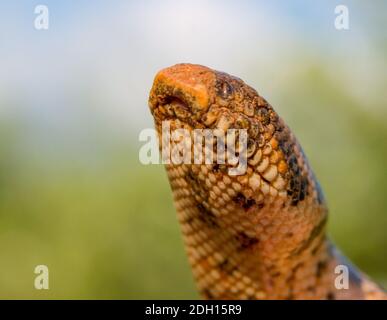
[(98, 58)]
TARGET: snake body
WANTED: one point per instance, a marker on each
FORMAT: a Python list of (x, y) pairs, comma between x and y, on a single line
[(262, 234)]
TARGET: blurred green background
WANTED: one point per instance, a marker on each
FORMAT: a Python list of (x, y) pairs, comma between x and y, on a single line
[(73, 99)]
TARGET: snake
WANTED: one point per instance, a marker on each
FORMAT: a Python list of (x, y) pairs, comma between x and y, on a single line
[(261, 234)]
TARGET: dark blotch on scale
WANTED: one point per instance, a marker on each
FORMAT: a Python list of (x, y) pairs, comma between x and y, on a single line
[(207, 216), (321, 266), (246, 241), (192, 180), (298, 184), (191, 177), (226, 266), (316, 231), (290, 280), (330, 296), (264, 116), (303, 190), (242, 201)]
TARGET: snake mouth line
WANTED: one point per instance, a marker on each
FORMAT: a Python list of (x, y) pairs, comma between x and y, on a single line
[(170, 107)]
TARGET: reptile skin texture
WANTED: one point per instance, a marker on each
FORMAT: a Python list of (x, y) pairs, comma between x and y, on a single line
[(262, 234)]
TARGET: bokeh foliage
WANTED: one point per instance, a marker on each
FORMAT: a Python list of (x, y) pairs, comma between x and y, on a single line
[(105, 224)]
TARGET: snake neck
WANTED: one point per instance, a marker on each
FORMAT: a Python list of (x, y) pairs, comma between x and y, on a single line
[(229, 261), (259, 235), (274, 253)]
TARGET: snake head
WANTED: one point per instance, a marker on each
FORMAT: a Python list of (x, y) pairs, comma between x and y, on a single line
[(202, 97), (196, 97)]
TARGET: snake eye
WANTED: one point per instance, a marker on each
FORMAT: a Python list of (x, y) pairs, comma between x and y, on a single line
[(224, 89)]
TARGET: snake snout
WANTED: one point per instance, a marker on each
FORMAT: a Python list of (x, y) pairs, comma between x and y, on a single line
[(182, 90)]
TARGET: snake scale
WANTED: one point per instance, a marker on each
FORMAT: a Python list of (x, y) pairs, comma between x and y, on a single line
[(261, 234)]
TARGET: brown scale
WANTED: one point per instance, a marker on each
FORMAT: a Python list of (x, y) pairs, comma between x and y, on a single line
[(260, 235)]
